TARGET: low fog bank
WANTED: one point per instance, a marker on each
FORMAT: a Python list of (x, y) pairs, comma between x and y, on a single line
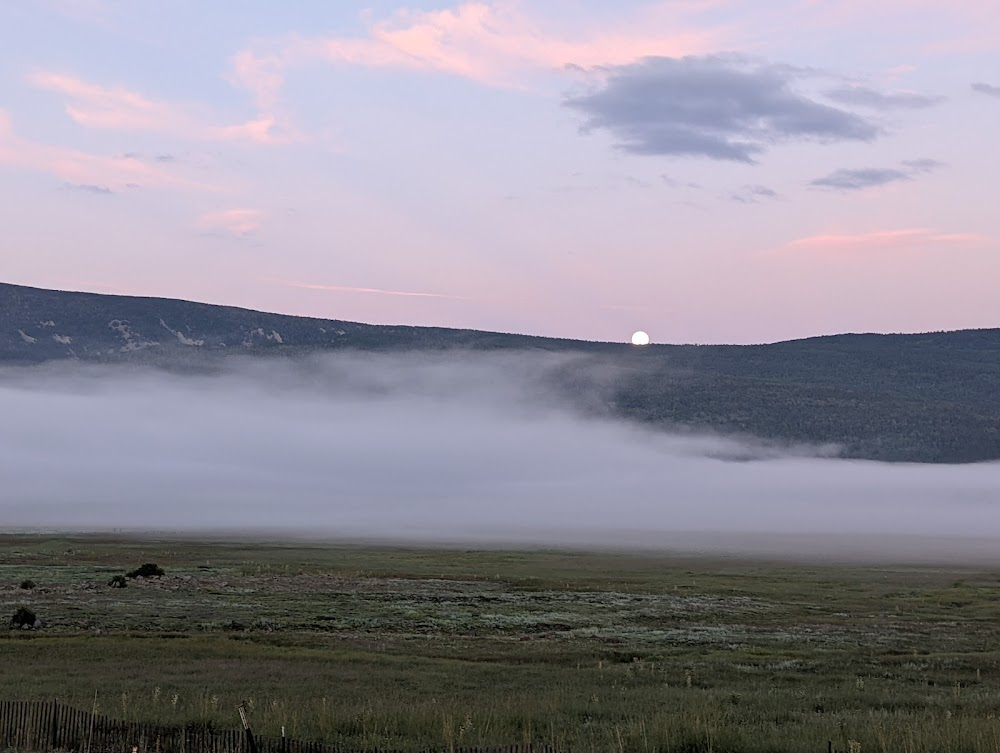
[(465, 449)]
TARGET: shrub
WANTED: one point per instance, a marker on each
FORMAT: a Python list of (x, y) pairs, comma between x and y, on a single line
[(118, 582), (27, 585), (23, 616), (149, 570)]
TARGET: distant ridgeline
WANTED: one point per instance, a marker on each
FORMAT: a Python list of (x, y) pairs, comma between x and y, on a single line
[(920, 398)]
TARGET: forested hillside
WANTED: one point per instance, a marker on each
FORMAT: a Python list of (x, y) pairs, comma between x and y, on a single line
[(920, 398)]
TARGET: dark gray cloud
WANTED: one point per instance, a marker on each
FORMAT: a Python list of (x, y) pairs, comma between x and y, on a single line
[(871, 177), (89, 188), (753, 194), (993, 91), (721, 107), (424, 448), (862, 96)]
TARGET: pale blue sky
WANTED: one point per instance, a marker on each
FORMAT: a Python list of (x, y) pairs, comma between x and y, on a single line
[(708, 170)]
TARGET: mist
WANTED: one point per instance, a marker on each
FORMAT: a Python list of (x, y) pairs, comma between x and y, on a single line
[(464, 449)]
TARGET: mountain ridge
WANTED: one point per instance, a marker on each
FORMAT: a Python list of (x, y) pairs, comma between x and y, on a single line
[(915, 397), (10, 289), (23, 318)]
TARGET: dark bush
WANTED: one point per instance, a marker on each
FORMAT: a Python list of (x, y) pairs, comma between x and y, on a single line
[(118, 582), (149, 570), (23, 616), (27, 585)]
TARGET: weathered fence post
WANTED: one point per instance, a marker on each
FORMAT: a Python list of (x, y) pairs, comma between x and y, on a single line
[(251, 743), (54, 728)]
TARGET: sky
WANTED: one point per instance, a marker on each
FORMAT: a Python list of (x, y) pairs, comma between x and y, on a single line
[(710, 171)]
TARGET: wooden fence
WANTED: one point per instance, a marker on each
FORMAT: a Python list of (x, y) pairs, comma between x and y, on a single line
[(42, 727)]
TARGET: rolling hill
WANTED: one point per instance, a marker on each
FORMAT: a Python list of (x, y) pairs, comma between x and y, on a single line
[(916, 398)]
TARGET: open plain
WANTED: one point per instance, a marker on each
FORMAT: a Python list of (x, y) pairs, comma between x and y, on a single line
[(395, 647)]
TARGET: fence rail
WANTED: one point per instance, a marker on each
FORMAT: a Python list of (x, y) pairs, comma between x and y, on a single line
[(43, 727)]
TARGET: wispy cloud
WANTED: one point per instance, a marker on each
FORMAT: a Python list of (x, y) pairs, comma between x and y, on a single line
[(923, 165), (369, 291), (753, 194), (118, 108), (907, 239), (674, 183), (993, 91), (872, 177), (855, 180), (78, 168), (722, 107), (89, 188), (495, 43), (106, 107), (239, 222), (863, 96)]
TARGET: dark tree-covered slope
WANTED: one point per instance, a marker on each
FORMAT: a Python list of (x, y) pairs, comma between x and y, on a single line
[(37, 325), (922, 398)]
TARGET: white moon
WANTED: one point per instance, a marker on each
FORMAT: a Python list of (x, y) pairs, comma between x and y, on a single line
[(640, 338)]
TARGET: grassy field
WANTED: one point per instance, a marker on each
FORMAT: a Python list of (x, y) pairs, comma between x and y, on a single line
[(393, 647)]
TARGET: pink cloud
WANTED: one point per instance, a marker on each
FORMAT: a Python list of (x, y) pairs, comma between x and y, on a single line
[(259, 73), (118, 108), (883, 241), (82, 168), (101, 107), (233, 221), (492, 43), (262, 130)]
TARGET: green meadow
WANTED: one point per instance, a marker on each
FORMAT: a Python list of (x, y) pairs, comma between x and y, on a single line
[(407, 648)]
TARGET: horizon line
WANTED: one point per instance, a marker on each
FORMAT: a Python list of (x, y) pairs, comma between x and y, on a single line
[(498, 332)]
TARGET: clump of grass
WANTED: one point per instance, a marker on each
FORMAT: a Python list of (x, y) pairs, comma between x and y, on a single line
[(148, 570), (27, 584), (23, 616), (118, 582)]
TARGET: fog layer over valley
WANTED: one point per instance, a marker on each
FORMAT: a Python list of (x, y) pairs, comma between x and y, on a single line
[(465, 449)]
